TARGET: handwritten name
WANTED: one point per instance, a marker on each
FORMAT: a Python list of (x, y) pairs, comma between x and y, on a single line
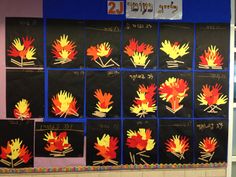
[(142, 7), (217, 76), (112, 29), (171, 6), (215, 28), (210, 126), (112, 73), (137, 26), (141, 76), (56, 126)]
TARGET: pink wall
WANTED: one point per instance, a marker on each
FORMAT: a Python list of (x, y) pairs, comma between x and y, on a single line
[(13, 8)]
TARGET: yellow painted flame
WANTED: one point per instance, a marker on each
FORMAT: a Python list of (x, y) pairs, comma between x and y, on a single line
[(174, 51), (104, 141), (22, 106)]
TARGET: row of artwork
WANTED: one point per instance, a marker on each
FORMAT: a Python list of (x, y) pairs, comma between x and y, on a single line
[(113, 94), (115, 44), (108, 142)]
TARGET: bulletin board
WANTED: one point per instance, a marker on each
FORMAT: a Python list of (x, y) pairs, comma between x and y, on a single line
[(104, 93)]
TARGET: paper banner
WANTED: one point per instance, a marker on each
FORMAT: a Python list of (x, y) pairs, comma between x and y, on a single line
[(168, 9), (141, 9)]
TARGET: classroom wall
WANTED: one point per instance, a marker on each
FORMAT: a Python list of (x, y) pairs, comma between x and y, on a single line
[(33, 8)]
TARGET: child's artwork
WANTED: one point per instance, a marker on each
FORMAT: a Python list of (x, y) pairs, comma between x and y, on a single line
[(59, 140), (176, 141), (65, 43), (17, 147), (103, 44), (103, 142), (140, 142), (63, 50), (103, 91), (139, 50), (138, 53), (25, 94), (65, 94), (212, 52), (114, 94), (24, 42), (139, 90), (175, 94), (176, 46), (211, 95), (211, 141)]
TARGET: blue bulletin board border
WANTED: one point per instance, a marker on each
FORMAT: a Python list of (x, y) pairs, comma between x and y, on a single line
[(196, 11)]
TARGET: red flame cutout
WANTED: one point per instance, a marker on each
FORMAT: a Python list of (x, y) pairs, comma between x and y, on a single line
[(15, 150), (173, 90), (145, 102), (64, 104), (57, 144), (63, 50), (24, 50), (107, 147), (211, 58), (208, 146), (177, 145), (212, 98)]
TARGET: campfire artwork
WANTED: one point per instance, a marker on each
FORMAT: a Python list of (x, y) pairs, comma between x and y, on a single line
[(113, 94), (138, 53), (64, 104), (141, 141), (57, 145), (22, 51), (208, 147), (177, 145), (212, 98), (173, 91), (22, 110), (211, 58), (106, 146), (100, 54), (63, 50), (15, 153), (104, 103), (175, 51), (145, 102)]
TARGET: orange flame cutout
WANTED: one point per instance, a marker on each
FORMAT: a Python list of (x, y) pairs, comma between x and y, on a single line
[(208, 147), (212, 98), (64, 104), (63, 50), (173, 90), (145, 102), (22, 110), (58, 145), (99, 52), (15, 153), (107, 147), (24, 50), (138, 53), (104, 102), (177, 145), (142, 141), (174, 50), (211, 58)]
